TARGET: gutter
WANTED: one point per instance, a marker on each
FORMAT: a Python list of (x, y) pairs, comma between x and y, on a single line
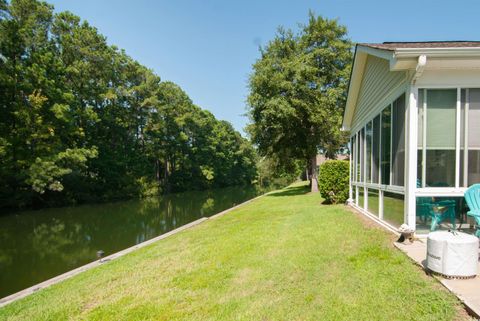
[(437, 52)]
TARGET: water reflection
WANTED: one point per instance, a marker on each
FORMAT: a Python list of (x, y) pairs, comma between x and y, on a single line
[(37, 245)]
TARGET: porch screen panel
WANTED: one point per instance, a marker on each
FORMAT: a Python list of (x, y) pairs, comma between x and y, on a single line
[(352, 162), (463, 110), (398, 141), (393, 208), (357, 195), (386, 125), (354, 194), (373, 202), (362, 155), (420, 177), (376, 149), (361, 197), (357, 157), (474, 137), (440, 137), (368, 153)]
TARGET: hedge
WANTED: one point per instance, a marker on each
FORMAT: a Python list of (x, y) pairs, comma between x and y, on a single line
[(333, 181)]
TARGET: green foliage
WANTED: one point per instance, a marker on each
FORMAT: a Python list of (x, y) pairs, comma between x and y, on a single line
[(46, 174), (298, 91), (148, 188), (333, 181), (273, 174), (82, 121)]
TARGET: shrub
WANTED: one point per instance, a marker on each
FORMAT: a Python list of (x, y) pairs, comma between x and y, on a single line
[(333, 181)]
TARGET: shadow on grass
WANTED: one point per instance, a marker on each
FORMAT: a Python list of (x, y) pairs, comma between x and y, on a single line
[(292, 191)]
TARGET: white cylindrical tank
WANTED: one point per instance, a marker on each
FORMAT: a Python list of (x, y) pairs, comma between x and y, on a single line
[(453, 254)]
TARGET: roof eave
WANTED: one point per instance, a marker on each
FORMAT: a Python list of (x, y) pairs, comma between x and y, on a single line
[(356, 76)]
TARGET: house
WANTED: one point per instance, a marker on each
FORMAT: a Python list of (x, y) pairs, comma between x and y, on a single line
[(413, 113)]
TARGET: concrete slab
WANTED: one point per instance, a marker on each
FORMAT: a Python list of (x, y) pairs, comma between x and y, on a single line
[(467, 291), (417, 250)]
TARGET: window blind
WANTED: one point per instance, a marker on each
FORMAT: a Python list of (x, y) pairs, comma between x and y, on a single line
[(441, 112)]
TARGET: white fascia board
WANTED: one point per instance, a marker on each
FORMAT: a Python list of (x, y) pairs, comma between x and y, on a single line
[(381, 53)]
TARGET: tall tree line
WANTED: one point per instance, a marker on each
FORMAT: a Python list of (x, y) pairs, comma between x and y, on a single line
[(82, 121)]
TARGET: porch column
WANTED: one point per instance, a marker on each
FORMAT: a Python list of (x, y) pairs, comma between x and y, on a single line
[(411, 138)]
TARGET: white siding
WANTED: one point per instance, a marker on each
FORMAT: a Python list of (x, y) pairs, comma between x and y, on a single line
[(379, 87)]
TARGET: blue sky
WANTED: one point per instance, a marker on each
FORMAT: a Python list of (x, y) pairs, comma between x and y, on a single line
[(209, 46)]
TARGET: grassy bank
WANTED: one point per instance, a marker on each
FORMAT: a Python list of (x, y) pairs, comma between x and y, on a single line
[(282, 257)]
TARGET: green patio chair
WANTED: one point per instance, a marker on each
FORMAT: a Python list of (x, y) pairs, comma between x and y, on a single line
[(423, 205), (423, 208), (441, 210), (472, 197), (436, 210)]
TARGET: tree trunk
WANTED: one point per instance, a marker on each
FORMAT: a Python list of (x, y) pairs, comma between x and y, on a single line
[(157, 170), (312, 168), (166, 175)]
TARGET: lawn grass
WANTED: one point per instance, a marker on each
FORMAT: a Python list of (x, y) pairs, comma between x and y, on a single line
[(282, 257)]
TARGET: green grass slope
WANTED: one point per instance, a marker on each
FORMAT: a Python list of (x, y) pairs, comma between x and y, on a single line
[(282, 257)]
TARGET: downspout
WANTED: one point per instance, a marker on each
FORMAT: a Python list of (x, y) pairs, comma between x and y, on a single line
[(422, 62), (412, 138)]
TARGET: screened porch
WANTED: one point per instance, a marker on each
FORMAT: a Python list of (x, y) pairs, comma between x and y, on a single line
[(447, 142)]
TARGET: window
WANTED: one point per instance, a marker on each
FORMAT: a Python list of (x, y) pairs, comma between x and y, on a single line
[(442, 213), (393, 208), (354, 195), (439, 143), (376, 150), (357, 157), (386, 125), (470, 137), (361, 198), (357, 195), (352, 160), (362, 155), (373, 202), (368, 153), (398, 141), (420, 107)]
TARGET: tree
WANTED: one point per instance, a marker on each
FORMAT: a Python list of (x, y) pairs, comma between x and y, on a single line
[(298, 91), (82, 121)]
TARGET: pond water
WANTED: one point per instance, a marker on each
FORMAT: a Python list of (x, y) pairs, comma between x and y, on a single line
[(38, 245)]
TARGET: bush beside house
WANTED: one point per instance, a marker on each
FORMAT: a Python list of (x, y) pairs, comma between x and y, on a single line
[(333, 181)]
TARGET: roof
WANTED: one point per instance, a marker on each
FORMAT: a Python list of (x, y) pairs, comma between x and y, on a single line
[(413, 57), (392, 46)]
